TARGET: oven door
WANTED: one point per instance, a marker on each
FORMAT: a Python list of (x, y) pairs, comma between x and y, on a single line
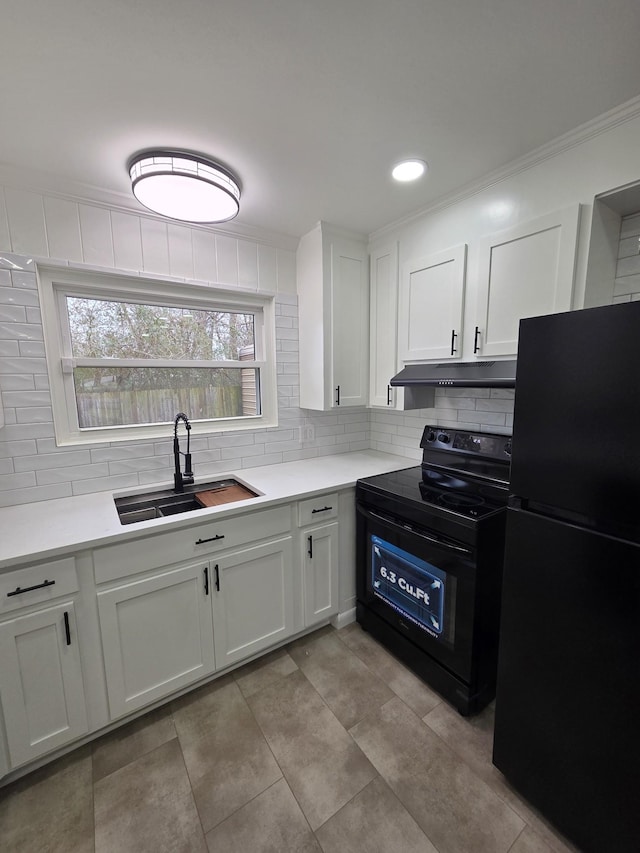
[(420, 584)]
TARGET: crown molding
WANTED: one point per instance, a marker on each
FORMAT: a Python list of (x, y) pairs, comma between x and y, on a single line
[(579, 135), (12, 177)]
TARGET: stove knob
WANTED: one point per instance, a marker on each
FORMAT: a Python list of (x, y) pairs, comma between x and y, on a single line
[(507, 448), (444, 438), (431, 436)]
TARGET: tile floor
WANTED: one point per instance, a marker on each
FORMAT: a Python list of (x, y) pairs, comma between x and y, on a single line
[(327, 745)]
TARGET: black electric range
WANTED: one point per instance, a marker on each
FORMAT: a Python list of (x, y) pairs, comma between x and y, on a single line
[(430, 543)]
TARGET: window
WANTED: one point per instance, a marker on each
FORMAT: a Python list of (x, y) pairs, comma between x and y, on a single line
[(125, 355)]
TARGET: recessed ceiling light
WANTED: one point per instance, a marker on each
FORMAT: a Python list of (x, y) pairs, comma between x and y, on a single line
[(409, 170), (184, 186)]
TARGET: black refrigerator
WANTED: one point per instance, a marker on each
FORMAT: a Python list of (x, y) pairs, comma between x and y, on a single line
[(567, 729)]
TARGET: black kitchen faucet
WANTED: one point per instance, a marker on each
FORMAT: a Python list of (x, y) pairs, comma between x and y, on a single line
[(179, 479)]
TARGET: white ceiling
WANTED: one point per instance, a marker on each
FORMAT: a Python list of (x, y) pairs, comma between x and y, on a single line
[(309, 101)]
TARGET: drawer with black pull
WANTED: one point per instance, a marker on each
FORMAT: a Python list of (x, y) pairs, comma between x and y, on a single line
[(318, 509), (37, 584)]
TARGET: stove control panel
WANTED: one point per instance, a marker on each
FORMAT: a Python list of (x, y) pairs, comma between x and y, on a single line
[(477, 443)]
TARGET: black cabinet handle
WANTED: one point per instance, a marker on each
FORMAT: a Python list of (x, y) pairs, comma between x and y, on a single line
[(206, 580), (337, 395), (67, 631), (18, 591), (324, 509), (310, 551), (217, 571), (476, 348), (212, 539), (453, 341), (388, 395)]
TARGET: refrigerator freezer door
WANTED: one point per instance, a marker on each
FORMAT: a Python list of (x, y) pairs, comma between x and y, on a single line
[(566, 731), (576, 444)]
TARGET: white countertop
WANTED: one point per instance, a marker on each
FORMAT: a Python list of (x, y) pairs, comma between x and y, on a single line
[(50, 528)]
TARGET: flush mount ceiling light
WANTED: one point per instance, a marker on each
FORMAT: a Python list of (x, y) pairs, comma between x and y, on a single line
[(409, 170), (184, 186)]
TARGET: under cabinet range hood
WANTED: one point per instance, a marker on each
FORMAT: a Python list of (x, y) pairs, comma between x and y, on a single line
[(472, 374)]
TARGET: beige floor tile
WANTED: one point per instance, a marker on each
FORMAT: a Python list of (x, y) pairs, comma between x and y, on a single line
[(345, 683), (374, 821), (272, 823), (50, 810), (411, 689), (228, 760), (471, 738), (148, 805), (129, 742), (321, 763), (261, 673), (454, 807)]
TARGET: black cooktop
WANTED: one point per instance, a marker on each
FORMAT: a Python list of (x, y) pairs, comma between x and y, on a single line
[(470, 498)]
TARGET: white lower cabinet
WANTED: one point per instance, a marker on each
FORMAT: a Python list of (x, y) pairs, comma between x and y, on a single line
[(41, 683), (253, 599), (320, 561), (157, 635)]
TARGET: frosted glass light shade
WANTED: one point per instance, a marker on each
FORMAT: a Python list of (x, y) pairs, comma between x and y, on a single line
[(186, 187), (409, 170)]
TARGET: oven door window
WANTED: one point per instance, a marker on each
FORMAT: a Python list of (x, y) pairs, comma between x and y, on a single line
[(423, 586), (413, 587)]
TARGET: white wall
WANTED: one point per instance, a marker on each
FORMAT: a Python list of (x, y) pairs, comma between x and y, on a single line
[(592, 160), (32, 467), (627, 283)]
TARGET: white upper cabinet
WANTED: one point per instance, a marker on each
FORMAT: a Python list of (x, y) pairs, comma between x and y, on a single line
[(383, 292), (525, 271), (431, 306), (333, 305)]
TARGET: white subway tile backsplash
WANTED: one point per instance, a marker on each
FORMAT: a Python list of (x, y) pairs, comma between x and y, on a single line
[(17, 481), (5, 276), (20, 431), (10, 295), (6, 465), (122, 451), (52, 460), (12, 449), (35, 493), (22, 365), (12, 314), (25, 398), (49, 476), (21, 331), (17, 382), (265, 459), (24, 279), (103, 484), (9, 348), (34, 415)]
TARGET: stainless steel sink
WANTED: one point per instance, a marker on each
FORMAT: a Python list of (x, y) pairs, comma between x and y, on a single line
[(161, 503)]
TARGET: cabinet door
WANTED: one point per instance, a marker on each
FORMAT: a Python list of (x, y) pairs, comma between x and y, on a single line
[(525, 271), (320, 560), (431, 303), (253, 600), (41, 682), (157, 635), (383, 292), (350, 323)]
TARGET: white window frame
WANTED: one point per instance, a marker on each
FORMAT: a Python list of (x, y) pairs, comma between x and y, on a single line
[(56, 283)]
